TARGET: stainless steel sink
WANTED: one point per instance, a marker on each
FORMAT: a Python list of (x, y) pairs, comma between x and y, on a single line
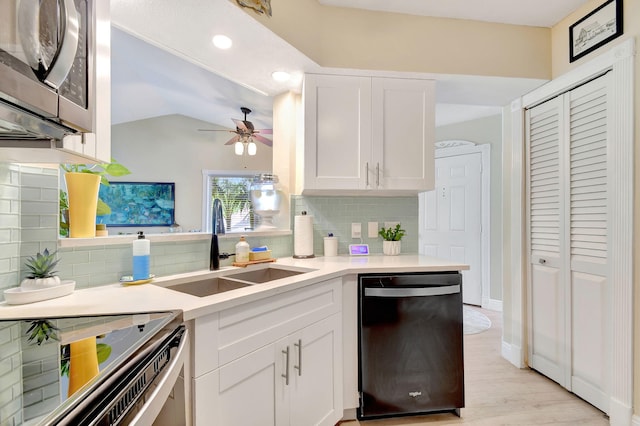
[(208, 287), (264, 275), (216, 285)]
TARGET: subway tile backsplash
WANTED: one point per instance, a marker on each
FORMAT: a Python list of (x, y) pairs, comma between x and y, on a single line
[(336, 214), (29, 220)]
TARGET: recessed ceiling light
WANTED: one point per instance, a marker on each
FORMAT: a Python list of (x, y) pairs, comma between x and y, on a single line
[(281, 76), (222, 41)]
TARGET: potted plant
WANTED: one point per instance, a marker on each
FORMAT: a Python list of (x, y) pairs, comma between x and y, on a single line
[(83, 182), (41, 273), (64, 214), (391, 236)]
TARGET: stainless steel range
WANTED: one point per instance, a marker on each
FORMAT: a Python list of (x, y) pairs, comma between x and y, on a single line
[(91, 370)]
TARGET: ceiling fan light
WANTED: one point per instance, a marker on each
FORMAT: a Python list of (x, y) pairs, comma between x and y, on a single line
[(252, 148), (281, 76), (239, 148), (221, 41)]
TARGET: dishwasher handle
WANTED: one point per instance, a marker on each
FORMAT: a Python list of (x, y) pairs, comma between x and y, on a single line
[(412, 291)]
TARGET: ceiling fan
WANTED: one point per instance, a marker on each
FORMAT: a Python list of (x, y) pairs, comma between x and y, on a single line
[(245, 135)]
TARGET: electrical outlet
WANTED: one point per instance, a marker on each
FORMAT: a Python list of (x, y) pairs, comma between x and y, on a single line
[(356, 230), (372, 230)]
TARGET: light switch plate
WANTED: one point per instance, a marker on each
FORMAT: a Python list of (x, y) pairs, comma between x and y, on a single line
[(356, 230), (372, 229)]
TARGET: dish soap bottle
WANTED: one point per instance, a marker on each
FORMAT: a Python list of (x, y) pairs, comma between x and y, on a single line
[(242, 250), (141, 254)]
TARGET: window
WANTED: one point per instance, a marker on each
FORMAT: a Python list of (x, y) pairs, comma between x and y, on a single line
[(232, 188)]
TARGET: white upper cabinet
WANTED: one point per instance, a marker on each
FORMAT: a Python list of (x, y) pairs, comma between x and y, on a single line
[(368, 134), (337, 132)]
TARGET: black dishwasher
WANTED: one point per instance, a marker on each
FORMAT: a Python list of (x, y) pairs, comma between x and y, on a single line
[(410, 344)]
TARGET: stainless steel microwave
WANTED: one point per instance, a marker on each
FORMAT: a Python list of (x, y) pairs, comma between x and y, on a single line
[(46, 68)]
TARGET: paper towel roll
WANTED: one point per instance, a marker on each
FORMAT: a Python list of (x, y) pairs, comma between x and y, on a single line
[(303, 236)]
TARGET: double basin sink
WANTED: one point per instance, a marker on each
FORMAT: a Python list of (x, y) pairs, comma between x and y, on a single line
[(215, 285)]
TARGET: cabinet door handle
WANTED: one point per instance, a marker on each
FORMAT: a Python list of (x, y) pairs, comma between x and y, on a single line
[(299, 366), (286, 368), (366, 173), (377, 174), (542, 261)]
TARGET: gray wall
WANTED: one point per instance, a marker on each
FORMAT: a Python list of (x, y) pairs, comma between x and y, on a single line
[(171, 149), (486, 131)]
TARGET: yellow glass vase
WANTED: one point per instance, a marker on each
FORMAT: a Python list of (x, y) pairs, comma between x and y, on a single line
[(82, 189), (83, 363)]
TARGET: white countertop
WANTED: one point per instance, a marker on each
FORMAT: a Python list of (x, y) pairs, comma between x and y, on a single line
[(118, 298)]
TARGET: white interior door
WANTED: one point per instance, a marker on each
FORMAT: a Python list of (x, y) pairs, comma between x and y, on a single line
[(567, 182), (548, 349), (590, 312), (451, 219)]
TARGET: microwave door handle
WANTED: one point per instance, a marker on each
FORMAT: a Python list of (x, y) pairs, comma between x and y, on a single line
[(68, 47)]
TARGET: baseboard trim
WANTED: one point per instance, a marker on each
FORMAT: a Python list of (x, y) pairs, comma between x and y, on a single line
[(349, 414), (492, 304), (513, 354), (621, 414)]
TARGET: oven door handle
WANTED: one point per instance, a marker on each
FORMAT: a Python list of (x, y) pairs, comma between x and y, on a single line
[(412, 291), (154, 402)]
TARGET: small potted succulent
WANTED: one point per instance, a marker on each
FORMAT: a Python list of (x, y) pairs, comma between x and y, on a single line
[(391, 236), (41, 273)]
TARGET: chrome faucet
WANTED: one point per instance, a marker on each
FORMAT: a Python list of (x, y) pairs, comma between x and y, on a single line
[(217, 226)]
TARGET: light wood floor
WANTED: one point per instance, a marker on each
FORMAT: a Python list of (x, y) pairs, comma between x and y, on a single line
[(497, 393)]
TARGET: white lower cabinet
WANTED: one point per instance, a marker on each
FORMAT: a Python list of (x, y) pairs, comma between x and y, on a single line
[(294, 381), (273, 361), (315, 384)]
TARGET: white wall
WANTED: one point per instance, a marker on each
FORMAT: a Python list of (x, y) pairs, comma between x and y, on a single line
[(171, 149), (486, 131)]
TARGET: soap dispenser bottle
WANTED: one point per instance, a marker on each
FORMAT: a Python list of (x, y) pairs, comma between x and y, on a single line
[(242, 250), (141, 254)]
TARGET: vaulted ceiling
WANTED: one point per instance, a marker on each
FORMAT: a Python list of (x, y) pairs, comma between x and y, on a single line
[(164, 63)]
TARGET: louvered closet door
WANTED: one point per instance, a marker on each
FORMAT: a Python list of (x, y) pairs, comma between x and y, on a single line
[(547, 293), (570, 322), (590, 316)]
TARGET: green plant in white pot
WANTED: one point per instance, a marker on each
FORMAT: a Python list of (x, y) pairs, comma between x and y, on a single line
[(391, 245), (41, 273)]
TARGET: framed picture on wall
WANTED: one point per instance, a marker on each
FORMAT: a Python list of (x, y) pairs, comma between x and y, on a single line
[(596, 29), (139, 203)]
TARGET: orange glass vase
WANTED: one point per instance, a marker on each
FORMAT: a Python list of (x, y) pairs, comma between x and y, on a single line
[(82, 189), (83, 363)]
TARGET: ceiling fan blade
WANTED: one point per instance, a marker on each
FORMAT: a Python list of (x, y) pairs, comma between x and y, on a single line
[(263, 140), (265, 131), (233, 140)]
